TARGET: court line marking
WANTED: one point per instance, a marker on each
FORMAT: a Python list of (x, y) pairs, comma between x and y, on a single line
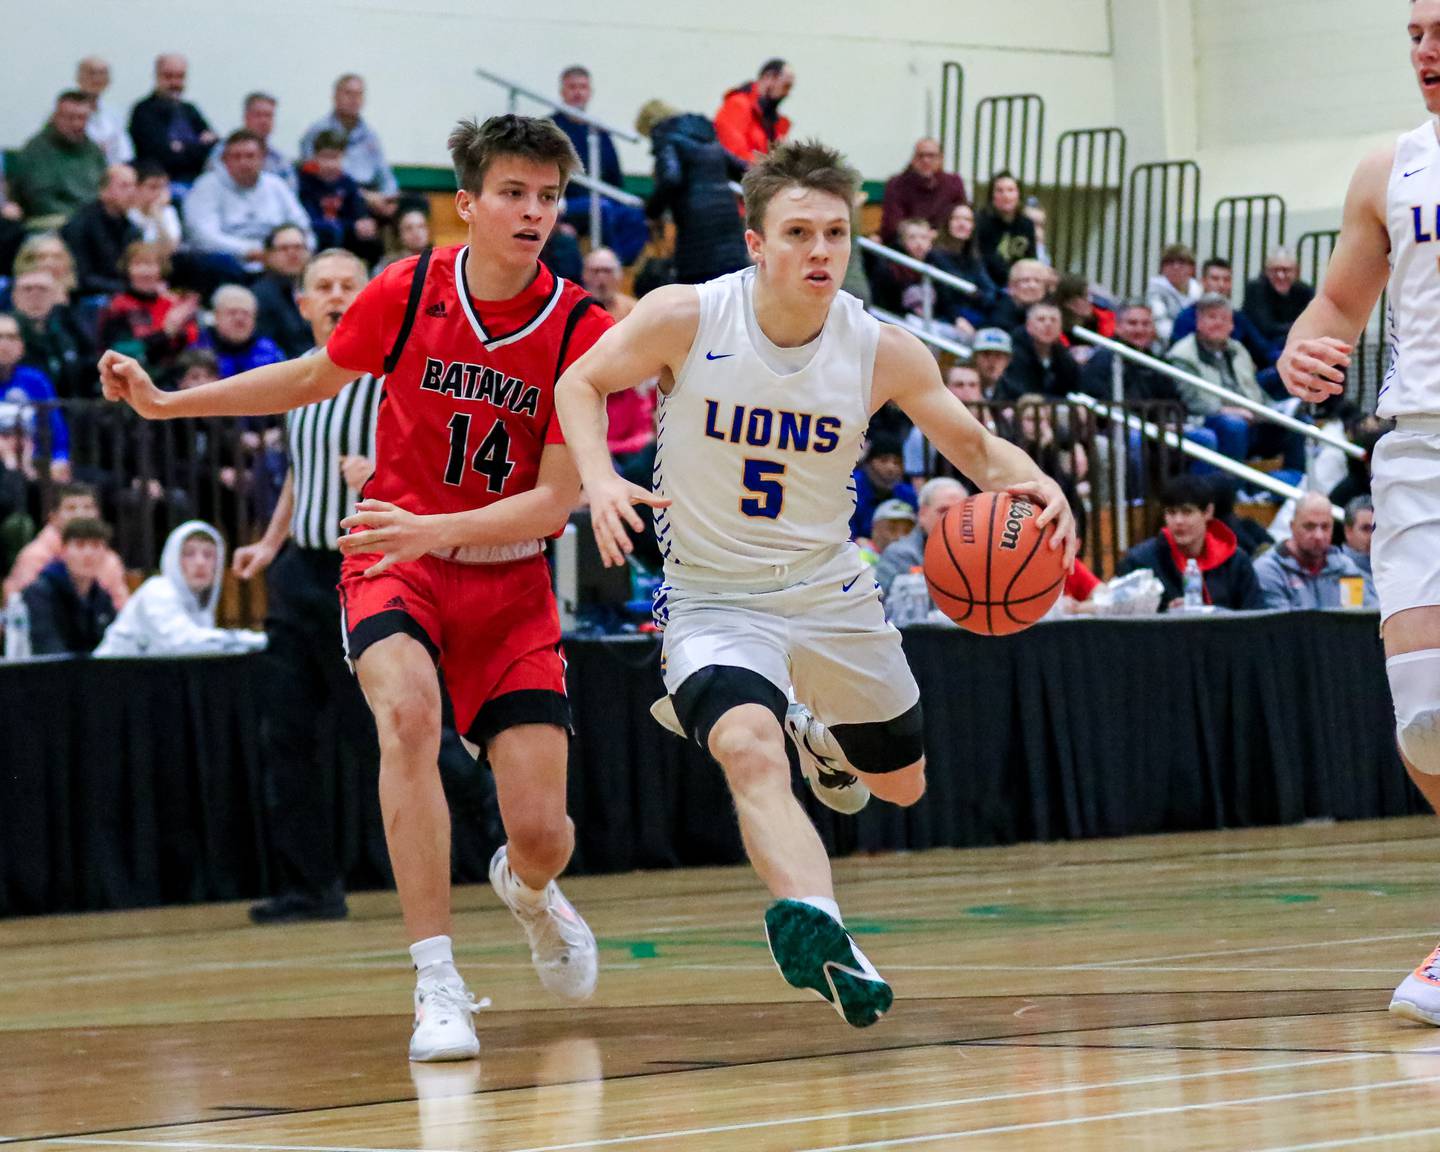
[(777, 1122), (1351, 1141), (1134, 1114), (1253, 951)]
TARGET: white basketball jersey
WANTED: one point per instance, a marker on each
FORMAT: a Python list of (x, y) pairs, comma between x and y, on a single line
[(1412, 383), (757, 444)]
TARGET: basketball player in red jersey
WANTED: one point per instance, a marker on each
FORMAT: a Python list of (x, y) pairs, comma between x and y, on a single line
[(444, 563)]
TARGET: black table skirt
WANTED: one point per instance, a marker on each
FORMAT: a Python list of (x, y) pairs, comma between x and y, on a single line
[(126, 783)]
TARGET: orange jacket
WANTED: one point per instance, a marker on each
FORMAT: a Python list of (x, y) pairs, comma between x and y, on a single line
[(741, 127)]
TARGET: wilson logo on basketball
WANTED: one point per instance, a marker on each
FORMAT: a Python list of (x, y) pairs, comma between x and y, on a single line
[(967, 522), (1019, 512)]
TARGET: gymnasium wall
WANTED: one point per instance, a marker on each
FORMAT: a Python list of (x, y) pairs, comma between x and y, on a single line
[(868, 71)]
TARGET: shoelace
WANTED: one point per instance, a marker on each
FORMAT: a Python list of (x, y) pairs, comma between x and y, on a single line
[(461, 999), (1431, 967)]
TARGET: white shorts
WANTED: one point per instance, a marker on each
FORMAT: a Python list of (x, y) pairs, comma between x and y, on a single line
[(826, 636), (1405, 485)]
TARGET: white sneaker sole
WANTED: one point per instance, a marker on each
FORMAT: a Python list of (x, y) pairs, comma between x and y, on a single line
[(464, 1051), (1413, 1012)]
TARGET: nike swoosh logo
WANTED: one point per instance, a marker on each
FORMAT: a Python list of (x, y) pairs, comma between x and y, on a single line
[(1406, 175), (847, 587), (722, 356)]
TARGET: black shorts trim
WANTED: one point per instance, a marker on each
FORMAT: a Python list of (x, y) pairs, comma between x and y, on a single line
[(523, 706), (885, 745), (382, 625), (709, 693)]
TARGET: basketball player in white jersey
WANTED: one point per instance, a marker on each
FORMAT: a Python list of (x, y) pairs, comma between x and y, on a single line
[(1391, 229), (769, 377)]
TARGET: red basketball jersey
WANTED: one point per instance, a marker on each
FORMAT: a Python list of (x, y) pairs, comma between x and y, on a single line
[(469, 405)]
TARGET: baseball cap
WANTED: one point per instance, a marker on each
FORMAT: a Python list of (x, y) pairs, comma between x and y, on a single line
[(993, 340), (895, 510)]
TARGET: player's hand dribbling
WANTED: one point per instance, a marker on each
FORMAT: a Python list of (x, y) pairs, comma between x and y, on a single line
[(397, 535), (1315, 369), (122, 378), (1056, 511), (612, 509)]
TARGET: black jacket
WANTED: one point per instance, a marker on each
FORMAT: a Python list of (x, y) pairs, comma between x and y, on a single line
[(60, 347), (1142, 384), (1229, 584), (1272, 313), (97, 240), (692, 178), (1027, 373), (60, 619), (279, 316), (156, 121), (1002, 242)]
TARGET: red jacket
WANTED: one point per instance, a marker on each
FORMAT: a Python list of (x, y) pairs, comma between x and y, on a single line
[(741, 126)]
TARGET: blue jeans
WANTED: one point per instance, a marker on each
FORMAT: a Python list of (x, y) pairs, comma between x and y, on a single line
[(1135, 473)]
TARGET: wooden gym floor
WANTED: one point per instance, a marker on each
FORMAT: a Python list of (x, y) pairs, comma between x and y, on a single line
[(1213, 991)]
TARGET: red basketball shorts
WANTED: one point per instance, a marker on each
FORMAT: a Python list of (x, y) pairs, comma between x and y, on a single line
[(493, 630)]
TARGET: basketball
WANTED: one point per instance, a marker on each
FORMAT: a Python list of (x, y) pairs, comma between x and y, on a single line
[(989, 567)]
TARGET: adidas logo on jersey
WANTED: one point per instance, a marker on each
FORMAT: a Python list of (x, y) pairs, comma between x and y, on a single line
[(437, 310)]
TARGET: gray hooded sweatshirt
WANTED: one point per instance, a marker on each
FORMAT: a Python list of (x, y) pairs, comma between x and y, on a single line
[(165, 618)]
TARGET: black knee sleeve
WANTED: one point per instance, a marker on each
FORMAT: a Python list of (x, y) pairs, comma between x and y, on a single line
[(883, 746), (713, 691)]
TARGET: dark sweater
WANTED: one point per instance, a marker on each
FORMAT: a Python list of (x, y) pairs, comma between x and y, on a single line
[(61, 620), (1229, 576), (1002, 242), (692, 181), (97, 240), (1272, 313), (168, 132), (1027, 373)]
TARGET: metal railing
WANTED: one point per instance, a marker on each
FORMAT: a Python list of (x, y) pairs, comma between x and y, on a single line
[(954, 348), (1233, 398), (593, 127)]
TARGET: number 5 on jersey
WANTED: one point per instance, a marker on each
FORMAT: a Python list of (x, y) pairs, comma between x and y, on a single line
[(491, 459), (761, 478)]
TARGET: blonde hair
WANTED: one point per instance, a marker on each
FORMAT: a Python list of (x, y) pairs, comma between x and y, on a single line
[(651, 113), (29, 257)]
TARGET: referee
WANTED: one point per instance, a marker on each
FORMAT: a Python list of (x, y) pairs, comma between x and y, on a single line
[(331, 451)]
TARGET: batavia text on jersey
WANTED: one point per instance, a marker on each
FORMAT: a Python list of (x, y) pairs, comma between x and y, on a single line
[(477, 382)]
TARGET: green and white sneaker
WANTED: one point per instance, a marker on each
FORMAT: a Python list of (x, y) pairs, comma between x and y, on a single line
[(813, 950)]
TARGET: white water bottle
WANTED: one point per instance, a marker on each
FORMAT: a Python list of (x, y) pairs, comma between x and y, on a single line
[(17, 628), (1194, 586), (909, 599)]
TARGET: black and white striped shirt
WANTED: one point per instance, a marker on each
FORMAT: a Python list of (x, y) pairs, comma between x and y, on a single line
[(317, 436)]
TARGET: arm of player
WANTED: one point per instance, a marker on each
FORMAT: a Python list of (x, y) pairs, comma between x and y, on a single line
[(907, 374), (398, 535), (253, 559), (655, 338), (261, 391), (1321, 340)]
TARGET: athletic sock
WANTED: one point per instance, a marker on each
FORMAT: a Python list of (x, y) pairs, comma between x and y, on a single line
[(826, 905), (531, 898), (434, 959)]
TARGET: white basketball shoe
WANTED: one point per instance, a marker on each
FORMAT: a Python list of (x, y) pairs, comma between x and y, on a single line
[(444, 1021), (562, 947), (823, 763), (1418, 997)]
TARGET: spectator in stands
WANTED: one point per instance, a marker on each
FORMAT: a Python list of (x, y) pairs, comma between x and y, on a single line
[(1028, 284), (1274, 301), (1062, 458), (1307, 570), (991, 354), (1078, 310), (173, 613), (923, 191), (339, 216), (1135, 327), (631, 431), (169, 130), (98, 234), (55, 340), (1035, 213), (1041, 365), (879, 477), (147, 320), (236, 344), (72, 502), (957, 251), (27, 387), (12, 231), (1006, 233), (892, 521), (1217, 276), (905, 291), (936, 498), (69, 607), (16, 472), (602, 281), (622, 226), (229, 213), (364, 155), (1213, 354), (153, 213), (749, 121), (258, 116), (1359, 532), (412, 229), (92, 77), (1173, 290), (1191, 532), (60, 168), (963, 382), (47, 251), (278, 318), (692, 183)]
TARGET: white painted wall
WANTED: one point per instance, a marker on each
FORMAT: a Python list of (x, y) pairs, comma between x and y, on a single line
[(868, 72)]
